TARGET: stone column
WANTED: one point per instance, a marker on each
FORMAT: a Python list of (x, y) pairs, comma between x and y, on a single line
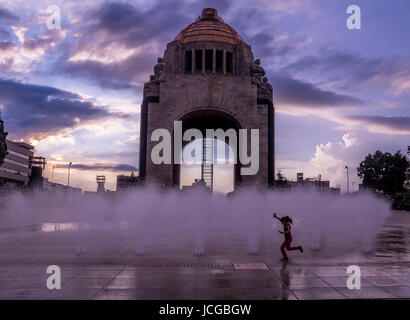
[(224, 63), (143, 139), (271, 144), (203, 60), (214, 61), (193, 61)]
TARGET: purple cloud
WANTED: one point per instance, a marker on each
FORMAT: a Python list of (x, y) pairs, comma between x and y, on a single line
[(100, 166), (399, 123), (33, 109), (290, 91), (7, 16)]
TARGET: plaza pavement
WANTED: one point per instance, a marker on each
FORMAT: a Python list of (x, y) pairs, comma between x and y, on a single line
[(313, 275)]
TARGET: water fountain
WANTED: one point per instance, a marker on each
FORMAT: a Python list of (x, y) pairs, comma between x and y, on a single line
[(156, 222)]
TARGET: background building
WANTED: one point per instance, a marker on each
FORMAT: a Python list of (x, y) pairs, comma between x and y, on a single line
[(198, 184), (21, 169), (100, 183), (16, 168), (316, 183), (59, 188), (127, 182), (3, 145)]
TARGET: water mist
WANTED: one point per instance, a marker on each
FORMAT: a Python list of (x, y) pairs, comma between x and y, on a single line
[(163, 222)]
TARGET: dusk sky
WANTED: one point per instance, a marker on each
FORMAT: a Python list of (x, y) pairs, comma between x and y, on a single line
[(75, 93)]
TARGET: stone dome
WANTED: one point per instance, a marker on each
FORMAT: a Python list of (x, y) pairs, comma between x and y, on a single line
[(209, 27)]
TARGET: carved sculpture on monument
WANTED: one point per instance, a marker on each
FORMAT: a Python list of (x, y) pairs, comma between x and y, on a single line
[(265, 90), (160, 70), (267, 86), (257, 72), (151, 87)]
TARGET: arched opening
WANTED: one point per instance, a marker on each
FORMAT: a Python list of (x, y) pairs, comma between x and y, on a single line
[(225, 172), (219, 175)]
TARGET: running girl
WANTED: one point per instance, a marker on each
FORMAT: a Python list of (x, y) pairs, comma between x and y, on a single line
[(286, 221)]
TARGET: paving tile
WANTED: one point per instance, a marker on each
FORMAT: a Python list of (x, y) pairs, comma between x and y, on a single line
[(169, 294), (366, 293), (317, 294), (98, 273), (178, 273), (403, 281), (23, 284), (86, 283), (305, 282), (400, 272), (70, 294), (340, 282), (207, 282), (219, 294), (120, 294), (15, 272), (254, 283), (329, 271), (22, 294), (256, 274), (171, 280), (399, 292), (219, 274), (383, 281), (127, 273), (269, 294), (376, 271), (294, 272), (250, 266), (130, 283)]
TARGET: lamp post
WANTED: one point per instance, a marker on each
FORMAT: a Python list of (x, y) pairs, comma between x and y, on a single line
[(52, 174), (69, 167), (347, 175)]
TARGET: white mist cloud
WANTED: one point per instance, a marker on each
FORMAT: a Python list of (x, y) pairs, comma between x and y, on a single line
[(331, 158)]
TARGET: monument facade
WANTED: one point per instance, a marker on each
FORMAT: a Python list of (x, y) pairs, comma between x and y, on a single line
[(208, 79)]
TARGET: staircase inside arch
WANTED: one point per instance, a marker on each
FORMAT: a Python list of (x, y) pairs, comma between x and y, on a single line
[(207, 167)]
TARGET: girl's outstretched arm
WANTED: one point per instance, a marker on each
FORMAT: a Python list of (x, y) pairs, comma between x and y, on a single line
[(275, 216)]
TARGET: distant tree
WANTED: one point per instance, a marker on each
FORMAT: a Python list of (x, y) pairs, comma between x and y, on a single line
[(408, 169), (384, 171), (408, 177), (281, 181)]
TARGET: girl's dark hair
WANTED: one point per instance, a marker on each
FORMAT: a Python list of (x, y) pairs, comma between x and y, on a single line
[(287, 219)]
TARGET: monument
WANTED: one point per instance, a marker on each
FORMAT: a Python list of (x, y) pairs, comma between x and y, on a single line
[(208, 79)]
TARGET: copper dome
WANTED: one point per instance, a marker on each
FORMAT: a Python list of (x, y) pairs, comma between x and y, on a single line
[(209, 27)]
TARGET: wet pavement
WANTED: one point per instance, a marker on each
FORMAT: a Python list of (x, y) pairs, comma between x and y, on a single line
[(385, 274)]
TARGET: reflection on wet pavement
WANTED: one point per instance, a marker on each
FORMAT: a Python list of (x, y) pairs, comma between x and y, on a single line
[(319, 275), (285, 281), (393, 242)]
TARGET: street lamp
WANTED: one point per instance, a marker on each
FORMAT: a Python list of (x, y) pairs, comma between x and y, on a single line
[(347, 174), (52, 174), (69, 166)]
